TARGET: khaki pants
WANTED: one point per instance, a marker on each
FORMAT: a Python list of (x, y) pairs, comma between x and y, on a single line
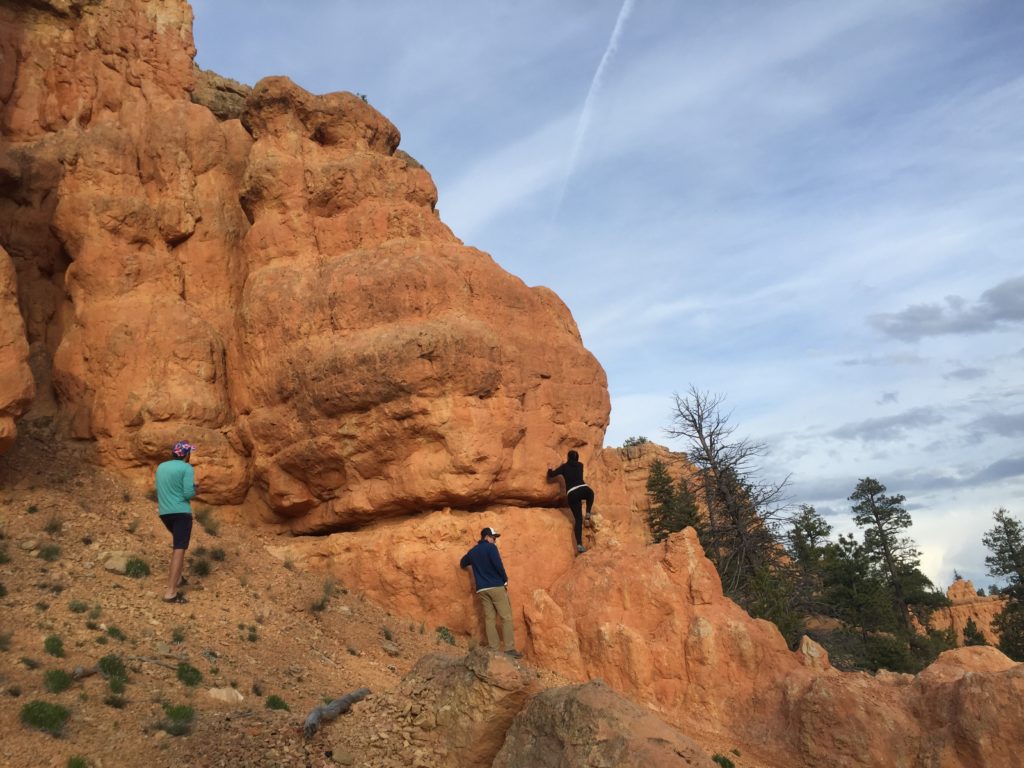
[(495, 600)]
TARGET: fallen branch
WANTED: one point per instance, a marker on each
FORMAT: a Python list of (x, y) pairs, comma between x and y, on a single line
[(332, 710), (81, 672)]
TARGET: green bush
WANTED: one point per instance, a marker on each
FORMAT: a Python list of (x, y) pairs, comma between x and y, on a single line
[(117, 684), (188, 674), (445, 635), (116, 633), (46, 717), (49, 552), (115, 701), (56, 680), (77, 761), (218, 554), (178, 635), (54, 525), (112, 666), (201, 567), (136, 567), (204, 516), (723, 761), (78, 606), (179, 719), (276, 702), (54, 646)]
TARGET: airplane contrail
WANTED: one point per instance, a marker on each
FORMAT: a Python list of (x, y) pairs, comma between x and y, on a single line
[(583, 125)]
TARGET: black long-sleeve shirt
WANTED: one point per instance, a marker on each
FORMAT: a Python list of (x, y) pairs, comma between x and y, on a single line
[(572, 471)]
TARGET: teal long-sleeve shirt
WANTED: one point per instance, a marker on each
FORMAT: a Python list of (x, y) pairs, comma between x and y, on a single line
[(175, 487)]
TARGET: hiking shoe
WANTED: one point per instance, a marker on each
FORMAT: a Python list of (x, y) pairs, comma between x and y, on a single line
[(580, 549), (514, 654)]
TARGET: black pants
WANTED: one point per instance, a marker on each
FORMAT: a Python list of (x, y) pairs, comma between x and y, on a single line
[(576, 498)]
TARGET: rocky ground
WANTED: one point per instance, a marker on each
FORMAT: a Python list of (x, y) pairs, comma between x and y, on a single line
[(254, 628)]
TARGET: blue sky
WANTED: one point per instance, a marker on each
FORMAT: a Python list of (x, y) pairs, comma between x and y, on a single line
[(812, 208)]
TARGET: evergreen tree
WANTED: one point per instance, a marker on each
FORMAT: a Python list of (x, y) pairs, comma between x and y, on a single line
[(1005, 543), (854, 589), (672, 506), (972, 635), (807, 546), (884, 519)]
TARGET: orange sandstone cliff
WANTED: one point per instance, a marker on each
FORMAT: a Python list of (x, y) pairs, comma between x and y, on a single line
[(966, 603), (272, 281)]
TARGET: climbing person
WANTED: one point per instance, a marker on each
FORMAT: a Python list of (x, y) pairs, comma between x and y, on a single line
[(175, 488), (576, 492), (491, 586)]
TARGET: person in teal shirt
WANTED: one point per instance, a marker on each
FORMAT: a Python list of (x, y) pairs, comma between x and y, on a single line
[(175, 489)]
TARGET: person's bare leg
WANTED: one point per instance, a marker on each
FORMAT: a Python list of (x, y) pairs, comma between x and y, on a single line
[(177, 566)]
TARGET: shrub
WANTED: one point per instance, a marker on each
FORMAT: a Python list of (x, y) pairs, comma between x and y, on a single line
[(201, 567), (321, 605), (56, 680), (77, 761), (3, 591), (178, 720), (218, 554), (49, 552), (4, 557), (387, 633), (46, 717), (204, 516), (54, 525), (115, 633), (276, 702), (112, 666), (445, 635), (5, 641), (188, 674), (723, 761), (178, 635), (115, 701), (54, 646), (629, 442), (136, 567), (117, 684), (252, 637), (95, 612), (78, 606), (31, 509)]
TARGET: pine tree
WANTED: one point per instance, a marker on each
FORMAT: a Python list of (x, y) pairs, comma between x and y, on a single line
[(1005, 543), (672, 507), (972, 635), (807, 546), (884, 519)]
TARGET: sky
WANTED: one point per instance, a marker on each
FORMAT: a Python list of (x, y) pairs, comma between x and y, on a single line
[(813, 209)]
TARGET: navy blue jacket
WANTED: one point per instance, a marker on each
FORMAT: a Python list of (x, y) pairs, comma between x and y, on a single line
[(488, 572)]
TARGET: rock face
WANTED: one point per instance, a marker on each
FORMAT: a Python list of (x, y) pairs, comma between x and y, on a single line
[(967, 604), (589, 725), (16, 383), (277, 289)]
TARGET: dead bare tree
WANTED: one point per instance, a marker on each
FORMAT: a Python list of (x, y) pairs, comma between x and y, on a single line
[(743, 510)]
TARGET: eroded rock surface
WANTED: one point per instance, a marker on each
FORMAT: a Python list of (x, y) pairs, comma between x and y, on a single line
[(16, 383), (966, 604), (591, 725), (278, 288)]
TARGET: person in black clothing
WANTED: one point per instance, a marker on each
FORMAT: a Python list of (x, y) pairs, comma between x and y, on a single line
[(576, 492), (491, 582)]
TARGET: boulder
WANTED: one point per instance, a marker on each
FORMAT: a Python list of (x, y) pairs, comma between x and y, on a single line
[(17, 387), (589, 725)]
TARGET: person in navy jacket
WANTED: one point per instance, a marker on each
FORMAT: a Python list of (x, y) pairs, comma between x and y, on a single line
[(491, 582)]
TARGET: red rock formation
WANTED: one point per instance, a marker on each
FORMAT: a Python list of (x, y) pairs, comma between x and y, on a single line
[(16, 384), (587, 725), (283, 294), (967, 604)]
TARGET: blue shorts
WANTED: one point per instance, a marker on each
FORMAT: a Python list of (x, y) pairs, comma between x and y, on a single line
[(180, 526)]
